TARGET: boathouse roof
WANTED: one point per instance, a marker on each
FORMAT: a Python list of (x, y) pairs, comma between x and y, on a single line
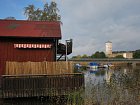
[(25, 28)]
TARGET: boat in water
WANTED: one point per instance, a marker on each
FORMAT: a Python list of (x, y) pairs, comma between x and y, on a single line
[(109, 65), (93, 66)]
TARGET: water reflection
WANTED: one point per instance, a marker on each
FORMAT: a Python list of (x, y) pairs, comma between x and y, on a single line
[(119, 86)]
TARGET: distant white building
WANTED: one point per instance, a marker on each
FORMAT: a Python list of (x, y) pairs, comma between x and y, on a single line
[(125, 54), (108, 46), (128, 55), (111, 54)]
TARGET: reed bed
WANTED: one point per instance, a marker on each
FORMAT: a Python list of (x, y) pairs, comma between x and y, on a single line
[(49, 68), (122, 89)]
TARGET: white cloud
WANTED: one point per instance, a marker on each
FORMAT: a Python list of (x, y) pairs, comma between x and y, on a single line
[(93, 22), (90, 23)]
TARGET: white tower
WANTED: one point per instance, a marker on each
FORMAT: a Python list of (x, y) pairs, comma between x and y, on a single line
[(108, 46)]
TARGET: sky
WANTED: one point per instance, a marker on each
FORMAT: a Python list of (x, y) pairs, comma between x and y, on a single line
[(90, 23)]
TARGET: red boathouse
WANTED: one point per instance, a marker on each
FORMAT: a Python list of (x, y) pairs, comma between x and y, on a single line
[(35, 41), (24, 41)]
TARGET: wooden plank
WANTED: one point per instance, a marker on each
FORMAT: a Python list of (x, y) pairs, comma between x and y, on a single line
[(50, 68), (40, 85)]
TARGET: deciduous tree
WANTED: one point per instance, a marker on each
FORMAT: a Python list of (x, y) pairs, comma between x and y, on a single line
[(49, 12)]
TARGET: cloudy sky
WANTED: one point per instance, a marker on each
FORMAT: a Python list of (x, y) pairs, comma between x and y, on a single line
[(90, 23)]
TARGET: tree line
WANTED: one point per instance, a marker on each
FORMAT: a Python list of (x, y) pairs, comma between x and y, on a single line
[(97, 54), (136, 54)]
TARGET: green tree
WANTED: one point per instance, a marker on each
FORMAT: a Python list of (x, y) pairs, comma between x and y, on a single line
[(136, 54), (49, 12), (98, 54), (77, 57), (53, 15), (119, 56), (30, 12), (45, 12), (102, 55), (84, 56)]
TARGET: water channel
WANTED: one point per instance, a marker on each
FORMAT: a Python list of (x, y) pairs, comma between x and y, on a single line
[(115, 86)]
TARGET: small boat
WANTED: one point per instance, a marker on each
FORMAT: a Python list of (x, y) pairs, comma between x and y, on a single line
[(78, 66), (93, 65), (108, 65)]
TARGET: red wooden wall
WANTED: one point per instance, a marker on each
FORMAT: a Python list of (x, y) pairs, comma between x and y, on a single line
[(9, 53)]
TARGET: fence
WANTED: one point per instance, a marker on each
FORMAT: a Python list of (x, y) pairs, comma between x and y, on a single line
[(49, 68), (41, 85)]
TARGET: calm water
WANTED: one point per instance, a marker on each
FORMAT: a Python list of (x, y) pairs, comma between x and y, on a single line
[(118, 86)]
